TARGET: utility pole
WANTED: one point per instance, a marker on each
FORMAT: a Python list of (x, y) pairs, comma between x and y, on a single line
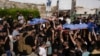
[(73, 6), (58, 7), (73, 10)]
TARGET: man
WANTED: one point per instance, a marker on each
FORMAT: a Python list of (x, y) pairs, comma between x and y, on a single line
[(54, 54), (21, 19), (49, 47), (30, 42), (66, 49), (68, 20), (42, 50), (15, 32), (79, 20), (10, 22), (85, 52), (98, 22), (92, 25), (96, 51)]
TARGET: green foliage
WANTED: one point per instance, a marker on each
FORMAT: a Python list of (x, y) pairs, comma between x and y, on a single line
[(13, 12)]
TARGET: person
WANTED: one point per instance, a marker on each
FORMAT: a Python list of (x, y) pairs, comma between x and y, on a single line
[(49, 47), (60, 18), (85, 52), (79, 20), (98, 37), (97, 21), (10, 22), (2, 51), (1, 20), (96, 51), (92, 25), (30, 17), (15, 45), (15, 31), (68, 20), (60, 52), (21, 19), (8, 47), (26, 43), (30, 42), (66, 48), (42, 50), (21, 43), (54, 54)]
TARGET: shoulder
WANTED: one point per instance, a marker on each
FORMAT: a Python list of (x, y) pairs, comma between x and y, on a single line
[(96, 52)]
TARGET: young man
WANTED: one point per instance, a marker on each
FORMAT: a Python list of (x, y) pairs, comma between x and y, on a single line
[(21, 19), (42, 50), (96, 51), (85, 52)]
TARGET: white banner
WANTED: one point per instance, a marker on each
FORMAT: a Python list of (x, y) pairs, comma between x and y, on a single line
[(65, 4)]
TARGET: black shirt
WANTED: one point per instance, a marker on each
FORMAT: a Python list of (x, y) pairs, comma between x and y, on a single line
[(7, 44), (66, 52), (29, 41)]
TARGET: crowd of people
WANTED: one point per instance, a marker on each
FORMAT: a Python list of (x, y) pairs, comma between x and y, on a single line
[(18, 38)]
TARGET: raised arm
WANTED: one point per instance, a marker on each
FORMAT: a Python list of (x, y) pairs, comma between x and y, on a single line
[(52, 35), (72, 39), (40, 27), (89, 36), (36, 39), (61, 37), (54, 26), (75, 35)]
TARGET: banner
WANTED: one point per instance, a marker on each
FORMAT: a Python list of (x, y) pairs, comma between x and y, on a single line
[(65, 4), (75, 26)]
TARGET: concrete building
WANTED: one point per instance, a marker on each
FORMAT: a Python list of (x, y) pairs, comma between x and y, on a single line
[(82, 10)]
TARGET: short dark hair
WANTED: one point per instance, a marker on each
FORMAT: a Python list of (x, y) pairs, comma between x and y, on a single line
[(24, 34), (55, 54), (42, 43), (84, 46)]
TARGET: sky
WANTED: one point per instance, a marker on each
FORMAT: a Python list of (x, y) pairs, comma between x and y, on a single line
[(84, 3)]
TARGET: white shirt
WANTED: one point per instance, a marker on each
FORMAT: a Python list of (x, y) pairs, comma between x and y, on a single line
[(42, 51), (61, 18), (21, 19), (15, 33), (80, 21), (68, 20)]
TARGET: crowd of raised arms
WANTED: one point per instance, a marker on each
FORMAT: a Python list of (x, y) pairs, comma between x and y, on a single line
[(18, 38)]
